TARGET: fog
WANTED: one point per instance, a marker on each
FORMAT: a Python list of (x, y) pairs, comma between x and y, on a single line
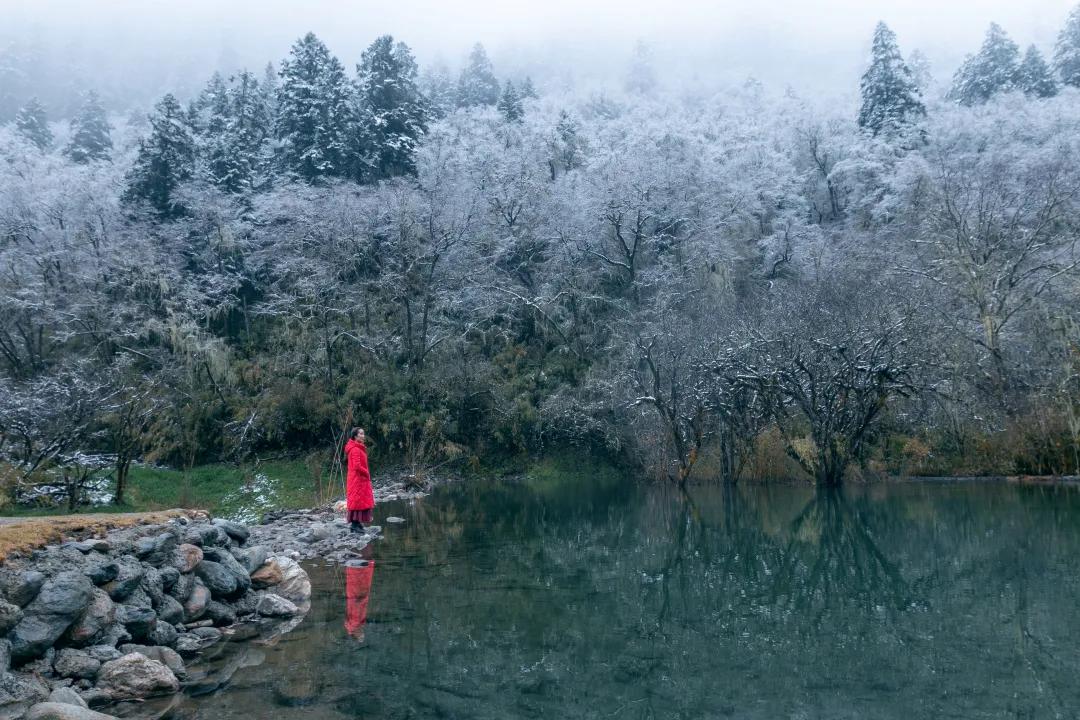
[(134, 50)]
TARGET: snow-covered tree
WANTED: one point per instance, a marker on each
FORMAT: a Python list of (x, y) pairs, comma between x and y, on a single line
[(478, 84), (1067, 51), (527, 89), (314, 117), (641, 75), (165, 159), (994, 69), (439, 89), (890, 96), (33, 124), (921, 70), (90, 133), (233, 153), (392, 113), (510, 105), (1035, 77)]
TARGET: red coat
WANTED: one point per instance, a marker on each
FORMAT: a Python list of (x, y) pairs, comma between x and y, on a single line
[(358, 495), (357, 590)]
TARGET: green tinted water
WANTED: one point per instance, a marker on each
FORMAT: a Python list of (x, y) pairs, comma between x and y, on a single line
[(503, 601)]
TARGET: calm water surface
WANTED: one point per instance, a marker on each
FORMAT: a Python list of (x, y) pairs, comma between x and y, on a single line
[(554, 600)]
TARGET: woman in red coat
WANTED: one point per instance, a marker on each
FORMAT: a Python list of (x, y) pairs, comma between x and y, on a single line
[(359, 500)]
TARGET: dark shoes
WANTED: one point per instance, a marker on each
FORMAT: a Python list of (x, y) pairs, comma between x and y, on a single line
[(356, 528)]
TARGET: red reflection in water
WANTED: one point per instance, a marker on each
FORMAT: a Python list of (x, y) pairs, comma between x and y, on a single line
[(357, 590)]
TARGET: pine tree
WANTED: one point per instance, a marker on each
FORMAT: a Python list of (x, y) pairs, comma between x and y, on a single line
[(478, 84), (314, 115), (1067, 52), (33, 124), (439, 89), (510, 105), (921, 71), (1034, 76), (90, 133), (994, 69), (238, 125), (890, 97), (165, 159), (391, 110), (566, 145), (641, 77), (528, 90), (268, 92)]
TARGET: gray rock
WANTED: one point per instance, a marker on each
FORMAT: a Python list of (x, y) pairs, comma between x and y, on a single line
[(103, 653), (164, 634), (187, 557), (138, 621), (76, 664), (195, 605), (67, 696), (136, 676), (166, 656), (246, 605), (181, 589), (59, 604), (210, 634), (98, 615), (152, 586), (219, 613), (10, 615), (169, 576), (170, 610), (91, 545), (114, 634), (395, 519), (101, 571), (21, 588), (96, 697), (206, 535), (18, 692), (139, 598), (41, 666), (252, 558), (271, 605), (235, 530), (63, 711), (220, 582), (156, 550), (127, 580), (295, 585), (188, 644), (225, 558), (5, 657)]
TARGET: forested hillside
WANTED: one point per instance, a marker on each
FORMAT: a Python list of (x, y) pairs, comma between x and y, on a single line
[(707, 286)]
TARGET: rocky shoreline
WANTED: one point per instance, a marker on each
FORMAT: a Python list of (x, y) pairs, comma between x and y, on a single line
[(103, 620)]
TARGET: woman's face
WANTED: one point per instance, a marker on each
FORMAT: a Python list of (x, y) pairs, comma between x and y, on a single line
[(360, 435)]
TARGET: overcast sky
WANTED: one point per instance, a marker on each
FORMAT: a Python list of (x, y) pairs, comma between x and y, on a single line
[(811, 42)]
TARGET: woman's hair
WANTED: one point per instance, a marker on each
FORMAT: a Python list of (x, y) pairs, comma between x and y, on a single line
[(355, 431)]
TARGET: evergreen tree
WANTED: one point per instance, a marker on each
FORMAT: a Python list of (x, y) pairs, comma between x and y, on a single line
[(566, 145), (33, 124), (439, 90), (165, 159), (995, 68), (90, 133), (1067, 52), (314, 115), (1034, 76), (478, 84), (528, 90), (890, 97), (233, 154), (268, 92), (921, 72), (210, 111), (510, 105), (641, 77), (392, 113)]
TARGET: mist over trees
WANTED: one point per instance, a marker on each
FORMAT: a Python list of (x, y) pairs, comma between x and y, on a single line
[(740, 285)]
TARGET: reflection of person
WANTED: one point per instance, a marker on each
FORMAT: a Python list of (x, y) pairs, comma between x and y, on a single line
[(357, 589), (359, 500)]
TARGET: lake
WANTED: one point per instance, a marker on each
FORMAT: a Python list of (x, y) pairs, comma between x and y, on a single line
[(561, 600)]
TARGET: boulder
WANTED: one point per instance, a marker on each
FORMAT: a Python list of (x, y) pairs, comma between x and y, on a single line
[(187, 557), (88, 546), (252, 558), (63, 711), (138, 621), (170, 610), (271, 605), (127, 579), (295, 585), (101, 571), (113, 635), (96, 697), (207, 634), (266, 576), (98, 615), (58, 605), (225, 558), (156, 550), (247, 604), (10, 615), (103, 653), (395, 519), (136, 676), (220, 582), (76, 664), (5, 657), (219, 613), (67, 696), (195, 605), (235, 530), (181, 589), (166, 656), (152, 586), (18, 692), (188, 644), (205, 535), (21, 588)]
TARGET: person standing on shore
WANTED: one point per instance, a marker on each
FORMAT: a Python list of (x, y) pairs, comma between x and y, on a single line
[(359, 499)]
